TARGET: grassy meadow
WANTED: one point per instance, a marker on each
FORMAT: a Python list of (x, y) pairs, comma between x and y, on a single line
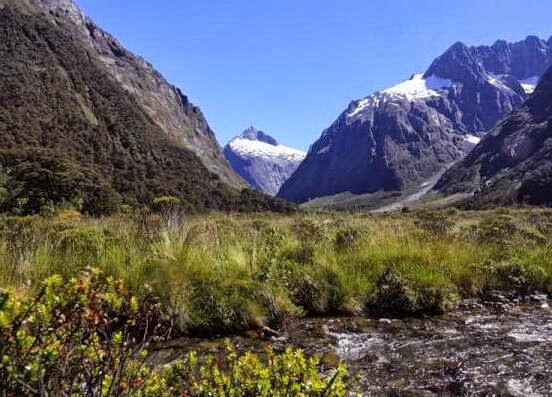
[(226, 273)]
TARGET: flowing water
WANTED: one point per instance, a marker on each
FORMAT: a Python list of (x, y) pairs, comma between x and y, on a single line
[(503, 350)]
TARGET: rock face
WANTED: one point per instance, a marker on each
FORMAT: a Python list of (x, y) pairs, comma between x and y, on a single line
[(395, 139), (84, 121), (513, 162), (261, 160)]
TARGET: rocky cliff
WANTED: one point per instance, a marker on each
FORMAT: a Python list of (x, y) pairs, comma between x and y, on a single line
[(513, 162)]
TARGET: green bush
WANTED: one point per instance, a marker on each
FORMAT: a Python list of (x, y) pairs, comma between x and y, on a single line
[(84, 336), (498, 230), (322, 293), (286, 374), (102, 201), (436, 223), (125, 209), (402, 291), (346, 239), (165, 203), (511, 276)]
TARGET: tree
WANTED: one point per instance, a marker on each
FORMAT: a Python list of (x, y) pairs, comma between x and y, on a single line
[(102, 201)]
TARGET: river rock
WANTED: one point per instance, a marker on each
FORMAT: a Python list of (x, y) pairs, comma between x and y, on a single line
[(538, 298)]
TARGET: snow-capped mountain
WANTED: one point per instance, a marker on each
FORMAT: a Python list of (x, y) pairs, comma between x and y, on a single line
[(261, 160), (395, 139)]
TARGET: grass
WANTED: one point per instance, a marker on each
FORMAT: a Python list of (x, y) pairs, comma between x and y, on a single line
[(226, 273)]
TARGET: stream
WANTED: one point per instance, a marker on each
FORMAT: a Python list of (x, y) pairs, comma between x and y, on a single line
[(497, 349)]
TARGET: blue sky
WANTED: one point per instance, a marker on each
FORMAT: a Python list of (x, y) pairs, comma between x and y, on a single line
[(290, 67)]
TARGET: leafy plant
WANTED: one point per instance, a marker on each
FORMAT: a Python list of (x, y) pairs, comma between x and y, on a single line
[(267, 375), (86, 336), (165, 203)]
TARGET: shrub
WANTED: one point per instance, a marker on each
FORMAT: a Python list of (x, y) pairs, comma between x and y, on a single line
[(496, 230), (224, 305), (165, 203), (399, 293), (310, 230), (102, 201), (511, 276), (287, 374), (84, 336), (125, 209), (324, 293), (48, 210), (346, 239), (88, 336)]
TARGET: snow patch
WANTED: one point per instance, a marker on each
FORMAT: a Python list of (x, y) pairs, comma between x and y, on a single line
[(472, 139), (248, 147), (415, 88), (498, 84), (529, 84), (324, 150), (372, 101), (419, 88)]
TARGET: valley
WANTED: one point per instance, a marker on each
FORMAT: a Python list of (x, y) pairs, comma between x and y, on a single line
[(407, 252)]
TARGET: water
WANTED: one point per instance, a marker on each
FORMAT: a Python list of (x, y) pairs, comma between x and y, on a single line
[(480, 351)]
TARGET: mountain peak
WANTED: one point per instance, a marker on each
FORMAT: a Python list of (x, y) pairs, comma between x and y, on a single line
[(533, 39), (254, 134), (261, 160), (500, 44), (457, 64), (459, 46)]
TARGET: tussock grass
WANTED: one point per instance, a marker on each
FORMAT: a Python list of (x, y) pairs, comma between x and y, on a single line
[(226, 273)]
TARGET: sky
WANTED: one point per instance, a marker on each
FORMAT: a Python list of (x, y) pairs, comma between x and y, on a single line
[(290, 67)]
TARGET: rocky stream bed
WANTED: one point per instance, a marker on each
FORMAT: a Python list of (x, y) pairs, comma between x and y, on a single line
[(500, 348)]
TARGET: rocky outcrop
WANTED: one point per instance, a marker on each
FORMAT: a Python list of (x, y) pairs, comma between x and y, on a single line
[(513, 162), (395, 139), (261, 160)]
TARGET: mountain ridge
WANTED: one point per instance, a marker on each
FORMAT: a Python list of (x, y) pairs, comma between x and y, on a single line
[(396, 138), (164, 102), (513, 163)]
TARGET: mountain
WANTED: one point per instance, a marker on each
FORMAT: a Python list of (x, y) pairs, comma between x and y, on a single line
[(167, 106), (83, 122), (261, 160), (513, 162), (397, 139)]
